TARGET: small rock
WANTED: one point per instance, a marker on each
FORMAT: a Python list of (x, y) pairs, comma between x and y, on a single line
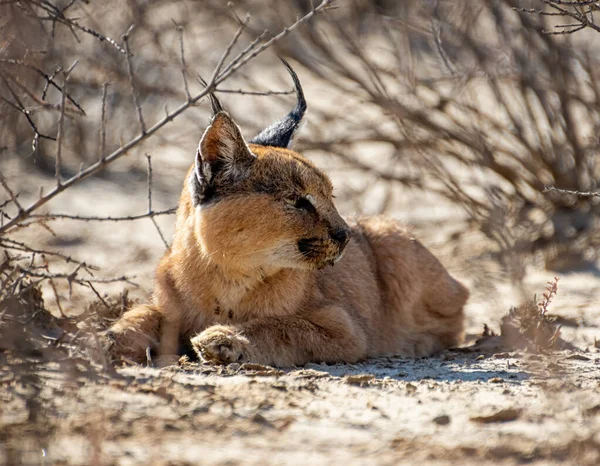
[(309, 374), (578, 357), (258, 370), (442, 420), (279, 386), (592, 411), (411, 388), (504, 415), (233, 367), (312, 365), (496, 380), (249, 366), (358, 379), (260, 419)]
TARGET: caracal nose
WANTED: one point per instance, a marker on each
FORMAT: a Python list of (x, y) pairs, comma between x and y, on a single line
[(341, 235)]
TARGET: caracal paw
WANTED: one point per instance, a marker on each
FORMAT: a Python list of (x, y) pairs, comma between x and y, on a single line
[(221, 344)]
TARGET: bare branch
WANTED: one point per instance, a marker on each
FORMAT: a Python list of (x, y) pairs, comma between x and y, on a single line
[(11, 194), (56, 14), (103, 124), (238, 62), (156, 213), (180, 30), (48, 78), (150, 211), (9, 243), (21, 108), (548, 189), (225, 54), (136, 101), (575, 10), (256, 93), (61, 120), (72, 277)]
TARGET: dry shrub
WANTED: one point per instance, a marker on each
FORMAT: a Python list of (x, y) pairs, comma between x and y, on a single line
[(525, 327), (40, 40), (32, 335), (528, 326), (29, 333), (472, 101), (106, 310)]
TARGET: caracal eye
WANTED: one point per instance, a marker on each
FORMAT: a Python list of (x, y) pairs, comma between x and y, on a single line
[(305, 203)]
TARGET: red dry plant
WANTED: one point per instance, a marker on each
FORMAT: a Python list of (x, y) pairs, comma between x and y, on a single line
[(551, 290)]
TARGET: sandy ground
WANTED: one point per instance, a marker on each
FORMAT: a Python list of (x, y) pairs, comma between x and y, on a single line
[(459, 408)]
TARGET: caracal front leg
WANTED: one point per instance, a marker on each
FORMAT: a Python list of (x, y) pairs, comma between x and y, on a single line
[(153, 327), (136, 330), (326, 335)]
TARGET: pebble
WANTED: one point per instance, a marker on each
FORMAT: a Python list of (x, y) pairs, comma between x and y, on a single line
[(442, 420)]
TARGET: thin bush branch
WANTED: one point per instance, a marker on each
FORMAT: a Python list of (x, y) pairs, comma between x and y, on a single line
[(61, 121), (150, 211), (82, 218), (134, 92), (180, 30), (548, 189), (579, 11), (103, 124), (11, 194)]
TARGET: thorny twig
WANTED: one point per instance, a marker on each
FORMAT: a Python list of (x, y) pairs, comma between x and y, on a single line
[(183, 65), (61, 120), (548, 189), (56, 14), (150, 211), (49, 80), (134, 93), (580, 11), (255, 93), (93, 218), (8, 243), (103, 123), (10, 192)]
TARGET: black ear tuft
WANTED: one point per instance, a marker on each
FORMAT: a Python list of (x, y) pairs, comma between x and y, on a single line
[(280, 134), (214, 102)]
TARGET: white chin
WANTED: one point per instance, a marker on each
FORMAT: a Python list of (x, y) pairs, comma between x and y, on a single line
[(339, 257)]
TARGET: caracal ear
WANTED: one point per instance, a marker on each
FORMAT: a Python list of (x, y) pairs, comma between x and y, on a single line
[(223, 144), (222, 150)]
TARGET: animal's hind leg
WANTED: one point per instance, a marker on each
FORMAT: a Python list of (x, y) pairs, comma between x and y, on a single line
[(446, 296), (443, 299), (136, 330)]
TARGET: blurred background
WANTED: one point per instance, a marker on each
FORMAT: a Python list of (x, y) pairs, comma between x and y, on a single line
[(453, 116)]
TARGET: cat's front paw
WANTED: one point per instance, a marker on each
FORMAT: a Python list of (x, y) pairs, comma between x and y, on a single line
[(221, 344)]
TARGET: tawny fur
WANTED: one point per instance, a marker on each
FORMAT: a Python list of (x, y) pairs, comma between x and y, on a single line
[(234, 283)]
